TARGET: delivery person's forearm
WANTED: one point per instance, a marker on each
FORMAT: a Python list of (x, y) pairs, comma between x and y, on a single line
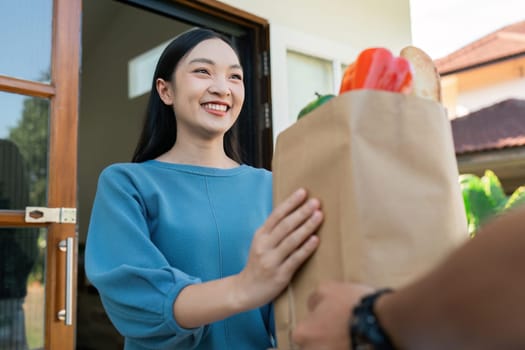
[(473, 301)]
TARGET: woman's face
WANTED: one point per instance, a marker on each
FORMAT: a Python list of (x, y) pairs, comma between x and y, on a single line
[(207, 90)]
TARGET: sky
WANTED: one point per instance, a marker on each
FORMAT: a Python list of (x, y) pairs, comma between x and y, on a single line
[(25, 35), (440, 27)]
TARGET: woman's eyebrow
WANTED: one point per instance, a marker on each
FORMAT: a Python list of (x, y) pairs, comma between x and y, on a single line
[(210, 62), (202, 60)]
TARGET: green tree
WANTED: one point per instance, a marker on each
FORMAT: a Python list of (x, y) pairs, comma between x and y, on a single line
[(31, 137)]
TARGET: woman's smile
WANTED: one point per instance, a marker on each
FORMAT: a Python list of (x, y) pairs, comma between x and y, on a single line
[(216, 108)]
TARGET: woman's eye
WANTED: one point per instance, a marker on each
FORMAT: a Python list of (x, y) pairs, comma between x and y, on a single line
[(201, 70), (237, 76)]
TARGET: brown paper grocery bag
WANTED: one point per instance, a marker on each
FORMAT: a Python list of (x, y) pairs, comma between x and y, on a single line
[(384, 168)]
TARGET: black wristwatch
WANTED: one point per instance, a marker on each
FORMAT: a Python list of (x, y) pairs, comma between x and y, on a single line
[(365, 329)]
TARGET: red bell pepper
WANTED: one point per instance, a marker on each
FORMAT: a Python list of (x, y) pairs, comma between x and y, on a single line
[(377, 68)]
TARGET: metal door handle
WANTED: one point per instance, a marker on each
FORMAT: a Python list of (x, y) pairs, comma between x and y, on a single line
[(66, 314)]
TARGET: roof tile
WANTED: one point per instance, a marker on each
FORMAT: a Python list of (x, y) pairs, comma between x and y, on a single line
[(498, 126), (505, 42)]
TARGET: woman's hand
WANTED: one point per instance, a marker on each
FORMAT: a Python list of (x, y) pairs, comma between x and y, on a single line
[(279, 248)]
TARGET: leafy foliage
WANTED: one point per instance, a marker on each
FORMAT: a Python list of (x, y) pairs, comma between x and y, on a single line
[(31, 137), (484, 198)]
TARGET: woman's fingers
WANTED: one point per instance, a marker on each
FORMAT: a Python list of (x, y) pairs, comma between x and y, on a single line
[(292, 241), (284, 209), (294, 221), (299, 256)]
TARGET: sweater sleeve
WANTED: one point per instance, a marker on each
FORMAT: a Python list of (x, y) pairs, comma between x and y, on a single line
[(137, 285)]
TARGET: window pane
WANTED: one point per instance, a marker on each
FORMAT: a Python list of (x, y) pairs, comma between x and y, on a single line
[(306, 76), (22, 298), (23, 151), (25, 33)]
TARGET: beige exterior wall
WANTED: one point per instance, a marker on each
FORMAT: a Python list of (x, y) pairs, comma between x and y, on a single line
[(474, 89), (356, 23), (335, 30)]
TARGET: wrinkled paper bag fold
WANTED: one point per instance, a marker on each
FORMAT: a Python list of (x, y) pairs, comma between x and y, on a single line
[(383, 166)]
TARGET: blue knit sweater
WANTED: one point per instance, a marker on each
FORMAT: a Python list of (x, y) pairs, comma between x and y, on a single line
[(157, 227)]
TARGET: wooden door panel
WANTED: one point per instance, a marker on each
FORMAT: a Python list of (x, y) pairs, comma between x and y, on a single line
[(61, 185), (25, 87)]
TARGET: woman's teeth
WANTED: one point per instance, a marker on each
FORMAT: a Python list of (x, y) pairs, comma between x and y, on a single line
[(216, 107)]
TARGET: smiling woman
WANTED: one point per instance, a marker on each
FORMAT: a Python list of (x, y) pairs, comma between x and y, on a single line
[(200, 252), (207, 95), (196, 73)]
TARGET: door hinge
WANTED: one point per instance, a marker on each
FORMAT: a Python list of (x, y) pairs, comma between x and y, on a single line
[(265, 65), (266, 115), (56, 215)]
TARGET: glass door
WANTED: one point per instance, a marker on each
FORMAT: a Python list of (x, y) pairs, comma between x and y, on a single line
[(39, 69)]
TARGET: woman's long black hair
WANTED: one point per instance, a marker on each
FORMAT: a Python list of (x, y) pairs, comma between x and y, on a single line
[(160, 128)]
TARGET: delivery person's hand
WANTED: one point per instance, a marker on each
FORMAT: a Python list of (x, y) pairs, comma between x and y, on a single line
[(327, 326)]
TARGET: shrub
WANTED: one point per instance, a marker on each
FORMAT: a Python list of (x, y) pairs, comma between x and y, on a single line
[(484, 198)]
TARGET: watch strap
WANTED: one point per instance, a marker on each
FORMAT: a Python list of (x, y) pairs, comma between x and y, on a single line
[(366, 330)]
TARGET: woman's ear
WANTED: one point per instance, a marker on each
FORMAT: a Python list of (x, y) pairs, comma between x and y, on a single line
[(165, 91)]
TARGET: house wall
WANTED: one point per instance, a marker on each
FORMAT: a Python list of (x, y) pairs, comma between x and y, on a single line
[(355, 23), (331, 29), (476, 88), (476, 99)]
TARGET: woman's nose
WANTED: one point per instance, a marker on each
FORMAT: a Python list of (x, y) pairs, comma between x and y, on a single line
[(219, 87)]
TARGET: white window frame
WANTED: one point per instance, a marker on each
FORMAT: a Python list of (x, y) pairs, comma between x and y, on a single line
[(284, 39)]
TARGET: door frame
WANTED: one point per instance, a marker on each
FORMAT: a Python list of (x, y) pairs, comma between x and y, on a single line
[(62, 92), (252, 34), (63, 160)]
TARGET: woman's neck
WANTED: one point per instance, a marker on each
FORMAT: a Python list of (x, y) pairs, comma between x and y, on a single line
[(209, 154)]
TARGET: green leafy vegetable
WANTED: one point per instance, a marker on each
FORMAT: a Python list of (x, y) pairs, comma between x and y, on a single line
[(484, 198)]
